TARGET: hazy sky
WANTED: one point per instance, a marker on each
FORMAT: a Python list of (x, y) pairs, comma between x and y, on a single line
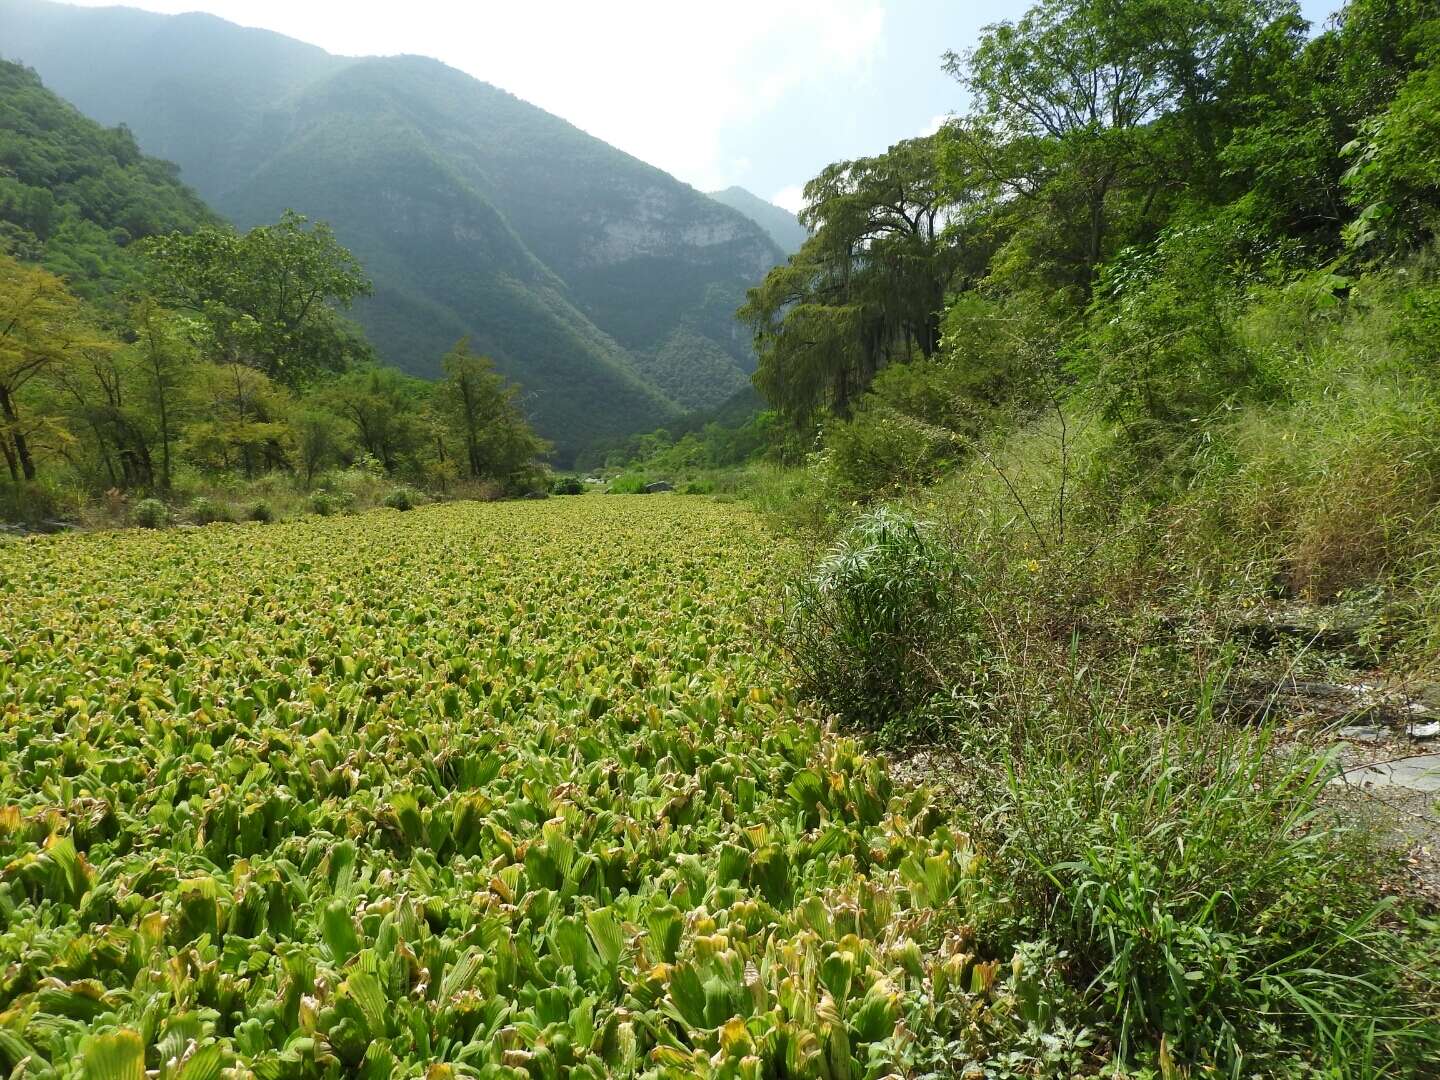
[(761, 93)]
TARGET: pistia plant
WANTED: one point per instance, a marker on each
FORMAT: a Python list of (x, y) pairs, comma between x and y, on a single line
[(495, 790)]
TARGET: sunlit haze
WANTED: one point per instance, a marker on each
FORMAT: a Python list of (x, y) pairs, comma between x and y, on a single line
[(760, 93)]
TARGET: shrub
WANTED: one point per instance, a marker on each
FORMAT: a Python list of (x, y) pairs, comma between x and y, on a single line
[(629, 484), (402, 498), (324, 503), (568, 485), (262, 512), (1164, 355), (151, 514), (880, 450), (40, 500), (864, 630), (207, 511)]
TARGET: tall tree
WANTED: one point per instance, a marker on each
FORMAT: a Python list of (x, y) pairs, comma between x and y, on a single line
[(1067, 108), (268, 297), (865, 290), (41, 324), (383, 407), (163, 356), (482, 408)]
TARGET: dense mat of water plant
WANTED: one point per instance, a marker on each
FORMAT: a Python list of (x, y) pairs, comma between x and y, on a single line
[(495, 790)]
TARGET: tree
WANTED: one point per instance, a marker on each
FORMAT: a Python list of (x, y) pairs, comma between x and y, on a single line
[(316, 435), (482, 409), (163, 356), (1395, 178), (866, 289), (1069, 104), (265, 296), (41, 325), (383, 408), (241, 419), (1286, 161)]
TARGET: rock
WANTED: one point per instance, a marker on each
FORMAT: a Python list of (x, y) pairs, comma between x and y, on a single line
[(659, 486), (1328, 630), (1364, 733), (1418, 773), (1427, 730), (52, 527)]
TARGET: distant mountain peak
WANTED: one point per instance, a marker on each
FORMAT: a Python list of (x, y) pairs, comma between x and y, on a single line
[(603, 285), (783, 226)]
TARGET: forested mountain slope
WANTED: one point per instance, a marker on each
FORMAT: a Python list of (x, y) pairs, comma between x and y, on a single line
[(74, 195), (604, 285)]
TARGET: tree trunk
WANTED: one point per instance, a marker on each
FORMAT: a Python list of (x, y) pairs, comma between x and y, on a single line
[(10, 461), (17, 440)]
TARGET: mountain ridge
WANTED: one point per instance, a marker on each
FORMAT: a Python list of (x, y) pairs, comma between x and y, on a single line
[(780, 224), (603, 285)]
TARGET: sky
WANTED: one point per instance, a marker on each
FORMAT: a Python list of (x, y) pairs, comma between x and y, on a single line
[(759, 93)]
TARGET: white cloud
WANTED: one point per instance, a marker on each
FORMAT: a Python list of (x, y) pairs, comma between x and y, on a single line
[(792, 198), (662, 80), (935, 124)]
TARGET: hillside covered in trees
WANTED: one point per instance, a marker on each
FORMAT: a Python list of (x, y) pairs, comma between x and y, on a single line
[(602, 284), (783, 226), (75, 196), (149, 349)]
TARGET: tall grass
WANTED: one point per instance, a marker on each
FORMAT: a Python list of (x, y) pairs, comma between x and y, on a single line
[(1197, 890)]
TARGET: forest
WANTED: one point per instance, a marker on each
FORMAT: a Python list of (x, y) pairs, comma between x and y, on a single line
[(151, 356)]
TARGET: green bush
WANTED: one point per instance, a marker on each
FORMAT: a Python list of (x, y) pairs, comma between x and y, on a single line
[(40, 500), (1164, 355), (207, 511), (151, 514), (262, 512), (629, 484), (882, 450), (324, 503), (865, 630), (568, 485), (402, 498)]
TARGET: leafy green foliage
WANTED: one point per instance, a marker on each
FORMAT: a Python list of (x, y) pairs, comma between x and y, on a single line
[(864, 629), (483, 408), (402, 498), (151, 514), (265, 297), (75, 196), (866, 289), (493, 787)]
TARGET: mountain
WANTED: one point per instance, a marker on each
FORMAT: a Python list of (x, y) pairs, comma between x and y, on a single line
[(603, 285), (74, 195), (782, 226)]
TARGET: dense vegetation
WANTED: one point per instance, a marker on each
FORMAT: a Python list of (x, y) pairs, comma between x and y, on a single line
[(476, 214), (1106, 421), (1087, 392), (212, 368), (501, 789), (75, 196)]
